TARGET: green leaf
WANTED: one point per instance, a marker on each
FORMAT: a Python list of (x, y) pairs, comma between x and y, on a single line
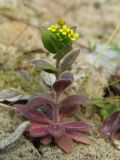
[(105, 109), (52, 42), (66, 49), (41, 64)]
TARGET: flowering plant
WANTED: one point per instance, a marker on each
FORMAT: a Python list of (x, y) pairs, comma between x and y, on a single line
[(47, 112)]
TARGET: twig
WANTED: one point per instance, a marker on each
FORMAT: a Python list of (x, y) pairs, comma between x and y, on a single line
[(113, 34), (7, 106), (14, 136)]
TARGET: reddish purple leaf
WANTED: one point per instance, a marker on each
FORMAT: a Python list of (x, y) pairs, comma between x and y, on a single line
[(32, 114), (56, 130), (38, 130), (40, 100), (48, 111), (79, 137), (67, 110), (61, 85), (77, 126), (111, 124), (74, 100), (67, 75), (38, 117), (69, 59), (65, 143)]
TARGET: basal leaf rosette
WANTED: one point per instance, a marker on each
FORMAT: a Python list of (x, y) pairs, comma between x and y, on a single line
[(58, 38)]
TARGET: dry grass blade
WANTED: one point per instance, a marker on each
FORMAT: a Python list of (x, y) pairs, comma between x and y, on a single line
[(14, 136)]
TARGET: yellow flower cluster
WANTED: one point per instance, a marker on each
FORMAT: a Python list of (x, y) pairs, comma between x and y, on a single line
[(53, 28), (62, 29)]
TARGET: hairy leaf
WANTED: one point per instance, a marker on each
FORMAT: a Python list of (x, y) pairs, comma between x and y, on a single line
[(40, 100), (77, 126), (65, 143), (79, 137), (67, 48), (38, 130), (52, 42), (61, 85), (111, 124), (12, 96), (48, 78), (67, 75), (69, 60), (32, 114), (56, 130), (48, 111), (41, 64), (67, 110), (74, 100)]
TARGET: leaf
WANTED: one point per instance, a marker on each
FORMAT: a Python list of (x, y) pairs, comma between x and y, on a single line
[(12, 96), (32, 114), (79, 137), (77, 126), (52, 41), (24, 75), (61, 85), (38, 130), (105, 108), (69, 60), (67, 75), (111, 124), (48, 78), (40, 100), (74, 100), (67, 110), (65, 143), (48, 111), (56, 130), (67, 48), (41, 64)]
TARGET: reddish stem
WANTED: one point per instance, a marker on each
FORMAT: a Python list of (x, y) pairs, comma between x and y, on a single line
[(56, 108)]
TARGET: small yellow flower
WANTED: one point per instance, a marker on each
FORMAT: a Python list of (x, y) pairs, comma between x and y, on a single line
[(53, 28), (61, 21), (61, 29), (65, 29), (73, 35)]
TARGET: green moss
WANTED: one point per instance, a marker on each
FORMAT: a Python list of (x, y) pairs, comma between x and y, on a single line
[(9, 79)]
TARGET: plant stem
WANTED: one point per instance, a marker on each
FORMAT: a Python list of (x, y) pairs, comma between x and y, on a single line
[(56, 114), (58, 68), (56, 108)]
